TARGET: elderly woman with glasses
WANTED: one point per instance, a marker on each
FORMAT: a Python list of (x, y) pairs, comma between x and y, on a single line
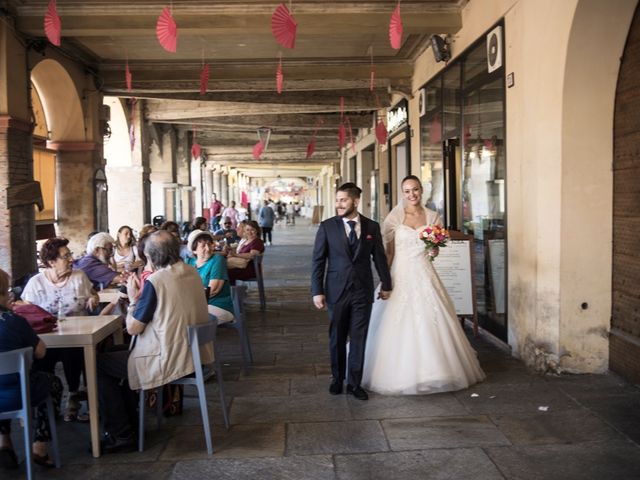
[(63, 292), (212, 269)]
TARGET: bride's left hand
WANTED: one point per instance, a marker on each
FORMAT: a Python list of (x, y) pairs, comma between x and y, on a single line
[(384, 294)]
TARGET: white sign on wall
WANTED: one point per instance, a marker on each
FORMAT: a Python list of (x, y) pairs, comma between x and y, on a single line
[(454, 269), (396, 118)]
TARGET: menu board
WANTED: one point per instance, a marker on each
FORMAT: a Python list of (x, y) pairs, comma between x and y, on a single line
[(454, 269)]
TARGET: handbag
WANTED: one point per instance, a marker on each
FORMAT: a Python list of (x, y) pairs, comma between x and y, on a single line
[(40, 320), (172, 397), (237, 262)]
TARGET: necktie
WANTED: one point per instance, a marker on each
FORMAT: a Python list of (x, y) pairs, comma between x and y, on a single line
[(353, 239)]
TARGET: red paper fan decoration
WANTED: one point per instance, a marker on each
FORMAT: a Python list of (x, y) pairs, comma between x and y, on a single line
[(395, 29), (204, 79), (258, 148), (167, 31), (381, 132), (342, 134), (279, 77), (311, 147), (196, 150), (353, 144), (127, 77), (284, 27), (52, 23)]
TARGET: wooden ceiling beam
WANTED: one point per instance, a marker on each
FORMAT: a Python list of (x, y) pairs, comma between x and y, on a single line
[(353, 96), (294, 122), (275, 157), (118, 21)]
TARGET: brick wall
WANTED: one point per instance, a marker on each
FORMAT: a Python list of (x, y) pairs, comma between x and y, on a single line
[(624, 346), (17, 228)]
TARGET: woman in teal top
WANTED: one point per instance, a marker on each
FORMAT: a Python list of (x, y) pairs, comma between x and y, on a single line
[(212, 269)]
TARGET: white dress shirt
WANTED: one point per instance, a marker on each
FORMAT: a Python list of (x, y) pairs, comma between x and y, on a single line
[(347, 228)]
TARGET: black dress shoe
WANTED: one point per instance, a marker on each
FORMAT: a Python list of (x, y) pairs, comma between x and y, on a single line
[(335, 388), (357, 392), (124, 442)]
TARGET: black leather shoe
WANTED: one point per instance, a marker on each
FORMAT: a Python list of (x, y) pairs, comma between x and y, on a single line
[(335, 388), (125, 442), (357, 392)]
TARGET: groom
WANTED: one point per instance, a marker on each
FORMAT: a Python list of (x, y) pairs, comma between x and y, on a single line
[(343, 249)]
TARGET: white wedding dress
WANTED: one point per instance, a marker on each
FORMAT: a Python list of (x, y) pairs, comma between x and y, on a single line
[(415, 343)]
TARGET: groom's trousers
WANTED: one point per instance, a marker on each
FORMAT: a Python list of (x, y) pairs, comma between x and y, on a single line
[(349, 321)]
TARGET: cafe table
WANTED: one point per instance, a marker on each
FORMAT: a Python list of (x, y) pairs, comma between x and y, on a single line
[(87, 332)]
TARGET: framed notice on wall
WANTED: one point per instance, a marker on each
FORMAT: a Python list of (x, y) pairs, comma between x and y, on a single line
[(454, 267)]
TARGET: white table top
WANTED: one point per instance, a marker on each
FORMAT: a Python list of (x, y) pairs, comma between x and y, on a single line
[(81, 331)]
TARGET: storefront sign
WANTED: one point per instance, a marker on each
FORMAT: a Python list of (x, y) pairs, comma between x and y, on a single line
[(397, 118)]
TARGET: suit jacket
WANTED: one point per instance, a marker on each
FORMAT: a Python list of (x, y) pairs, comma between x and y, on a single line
[(331, 255)]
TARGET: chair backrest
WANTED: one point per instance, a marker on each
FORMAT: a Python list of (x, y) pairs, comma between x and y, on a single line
[(237, 296), (257, 264), (16, 361), (201, 335)]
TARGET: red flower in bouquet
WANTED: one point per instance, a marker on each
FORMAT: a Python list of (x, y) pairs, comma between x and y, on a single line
[(434, 237)]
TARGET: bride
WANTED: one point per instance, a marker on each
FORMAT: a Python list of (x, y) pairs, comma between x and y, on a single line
[(415, 344)]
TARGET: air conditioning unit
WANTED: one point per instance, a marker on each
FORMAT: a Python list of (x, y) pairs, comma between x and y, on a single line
[(422, 101), (494, 49), (105, 113)]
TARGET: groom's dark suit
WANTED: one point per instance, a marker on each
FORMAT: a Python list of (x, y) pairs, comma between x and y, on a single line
[(348, 288)]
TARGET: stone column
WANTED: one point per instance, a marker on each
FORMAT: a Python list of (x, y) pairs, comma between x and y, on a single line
[(224, 187), (17, 224), (217, 184), (207, 176), (75, 196)]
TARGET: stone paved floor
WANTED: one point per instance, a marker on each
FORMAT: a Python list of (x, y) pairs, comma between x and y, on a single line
[(285, 425)]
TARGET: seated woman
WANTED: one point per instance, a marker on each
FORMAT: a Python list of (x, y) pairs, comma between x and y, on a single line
[(212, 269), (60, 290), (242, 267), (125, 253), (16, 333)]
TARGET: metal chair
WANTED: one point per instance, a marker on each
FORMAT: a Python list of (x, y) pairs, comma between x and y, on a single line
[(238, 294), (19, 361), (197, 335), (259, 279)]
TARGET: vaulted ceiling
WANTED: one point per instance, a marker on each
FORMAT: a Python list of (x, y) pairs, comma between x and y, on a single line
[(336, 41)]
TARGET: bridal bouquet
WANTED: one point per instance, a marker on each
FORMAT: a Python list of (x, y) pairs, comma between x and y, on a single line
[(434, 237)]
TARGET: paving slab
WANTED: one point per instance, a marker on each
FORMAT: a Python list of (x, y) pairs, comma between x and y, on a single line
[(335, 437), (585, 461), (382, 406), (248, 387), (301, 408), (543, 428), (285, 468), (442, 432), (490, 398), (102, 470), (240, 441), (445, 464)]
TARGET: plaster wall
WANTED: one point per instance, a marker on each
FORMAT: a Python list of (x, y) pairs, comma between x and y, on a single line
[(559, 120)]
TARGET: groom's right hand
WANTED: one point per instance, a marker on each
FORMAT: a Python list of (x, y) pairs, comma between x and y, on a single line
[(318, 301)]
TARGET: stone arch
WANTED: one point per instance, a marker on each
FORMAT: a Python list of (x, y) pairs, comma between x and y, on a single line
[(596, 41), (60, 101)]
